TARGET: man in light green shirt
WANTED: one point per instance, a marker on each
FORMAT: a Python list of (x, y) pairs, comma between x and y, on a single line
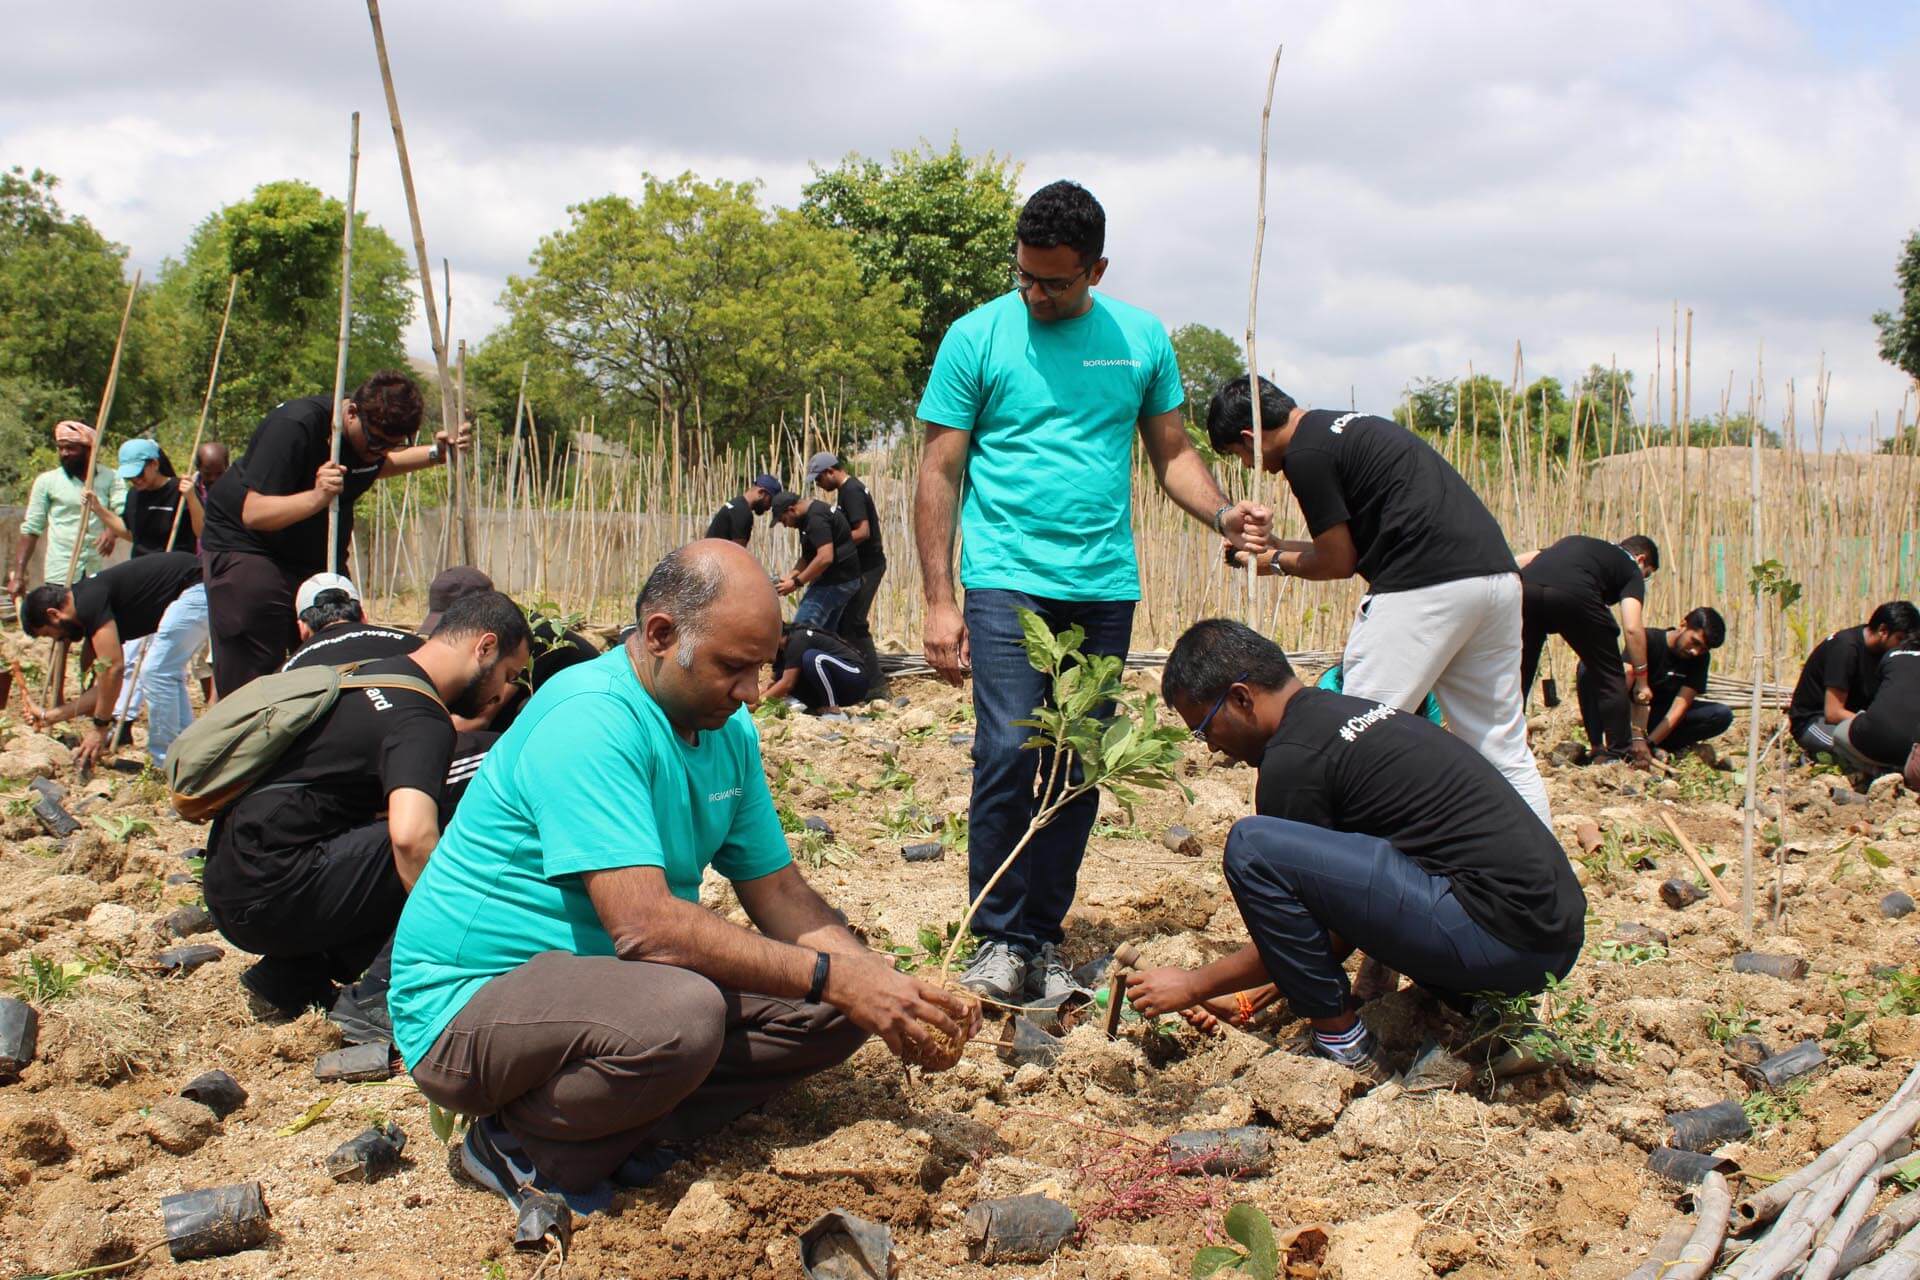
[(1033, 405), (55, 510), (554, 971)]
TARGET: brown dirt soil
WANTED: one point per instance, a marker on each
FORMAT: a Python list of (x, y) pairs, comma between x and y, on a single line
[(1538, 1176)]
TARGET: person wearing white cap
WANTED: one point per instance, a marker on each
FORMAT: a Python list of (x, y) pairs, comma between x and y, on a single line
[(334, 630), (55, 511)]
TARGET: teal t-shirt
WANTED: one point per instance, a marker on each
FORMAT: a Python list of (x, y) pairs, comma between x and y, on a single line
[(590, 777), (1053, 409)]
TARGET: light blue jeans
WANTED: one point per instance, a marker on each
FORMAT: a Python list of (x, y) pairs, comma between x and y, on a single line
[(163, 680)]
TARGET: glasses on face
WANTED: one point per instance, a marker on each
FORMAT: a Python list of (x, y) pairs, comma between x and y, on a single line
[(1052, 288), (1206, 721)]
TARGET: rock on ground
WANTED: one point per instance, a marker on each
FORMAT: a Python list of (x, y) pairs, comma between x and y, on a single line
[(702, 1211), (112, 924), (1129, 1262), (878, 1153), (33, 1133), (1302, 1096), (1382, 1247), (178, 1126)]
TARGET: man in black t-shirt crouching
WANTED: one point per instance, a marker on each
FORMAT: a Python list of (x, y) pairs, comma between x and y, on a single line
[(820, 669), (310, 866), (1840, 678), (1377, 830), (1677, 664), (1569, 590)]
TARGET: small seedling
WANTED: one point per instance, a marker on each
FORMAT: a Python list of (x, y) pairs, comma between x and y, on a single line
[(1723, 1028), (1629, 953), (1555, 1026), (904, 821), (818, 850), (123, 827), (1773, 1108), (931, 943), (1259, 1254), (953, 832), (42, 981), (444, 1123), (1868, 859), (893, 777)]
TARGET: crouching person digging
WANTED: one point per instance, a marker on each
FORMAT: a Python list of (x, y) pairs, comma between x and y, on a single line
[(555, 974), (1377, 830)]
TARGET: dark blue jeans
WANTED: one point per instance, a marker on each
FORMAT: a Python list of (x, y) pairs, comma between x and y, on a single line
[(1027, 906), (824, 603), (1296, 884)]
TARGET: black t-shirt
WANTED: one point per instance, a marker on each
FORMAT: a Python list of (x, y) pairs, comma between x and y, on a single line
[(1589, 569), (734, 522), (135, 593), (286, 450), (820, 525), (804, 646), (1413, 520), (856, 504), (349, 642), (1668, 672), (1887, 729), (149, 517), (335, 777), (1841, 661), (1352, 765)]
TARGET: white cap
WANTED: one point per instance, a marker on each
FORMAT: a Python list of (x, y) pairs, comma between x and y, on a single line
[(312, 587)]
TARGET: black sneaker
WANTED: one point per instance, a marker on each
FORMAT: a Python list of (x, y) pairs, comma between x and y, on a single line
[(647, 1164), (278, 991), (360, 1011)]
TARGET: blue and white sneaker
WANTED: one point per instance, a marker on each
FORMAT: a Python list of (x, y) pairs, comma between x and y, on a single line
[(493, 1160), (646, 1165)]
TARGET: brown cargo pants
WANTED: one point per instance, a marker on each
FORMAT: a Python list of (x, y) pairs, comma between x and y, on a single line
[(585, 1058)]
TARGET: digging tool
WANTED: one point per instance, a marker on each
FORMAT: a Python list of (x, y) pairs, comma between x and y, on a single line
[(1714, 886), (346, 327), (1125, 957)]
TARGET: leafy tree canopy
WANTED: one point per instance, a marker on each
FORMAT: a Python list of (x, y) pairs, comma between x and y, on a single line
[(1900, 329)]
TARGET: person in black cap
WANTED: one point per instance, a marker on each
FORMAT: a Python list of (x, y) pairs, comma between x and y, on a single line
[(863, 522), (828, 567), (734, 522), (820, 669), (555, 647)]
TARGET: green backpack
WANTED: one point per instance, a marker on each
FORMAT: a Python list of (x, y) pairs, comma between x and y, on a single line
[(223, 753)]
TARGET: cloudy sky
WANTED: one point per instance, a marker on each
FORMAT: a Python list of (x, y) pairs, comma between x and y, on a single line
[(1446, 178)]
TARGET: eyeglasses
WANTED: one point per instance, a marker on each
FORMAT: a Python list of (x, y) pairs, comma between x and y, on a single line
[(1052, 288), (1206, 722)]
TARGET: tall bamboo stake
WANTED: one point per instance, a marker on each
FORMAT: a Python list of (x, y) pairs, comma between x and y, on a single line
[(1753, 706), (346, 329), (434, 335), (1253, 315)]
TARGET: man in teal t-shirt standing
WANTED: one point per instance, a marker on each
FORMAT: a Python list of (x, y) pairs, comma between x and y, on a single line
[(1033, 403), (554, 972)]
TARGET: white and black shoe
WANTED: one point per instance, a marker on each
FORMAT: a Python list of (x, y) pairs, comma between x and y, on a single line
[(998, 973)]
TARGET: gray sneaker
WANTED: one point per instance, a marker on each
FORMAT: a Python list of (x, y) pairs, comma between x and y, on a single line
[(998, 973), (1048, 980)]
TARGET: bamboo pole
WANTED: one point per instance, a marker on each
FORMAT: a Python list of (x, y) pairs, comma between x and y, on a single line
[(1253, 315), (434, 334), (346, 329)]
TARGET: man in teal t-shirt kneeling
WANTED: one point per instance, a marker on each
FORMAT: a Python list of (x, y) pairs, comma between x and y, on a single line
[(1034, 402), (554, 972)]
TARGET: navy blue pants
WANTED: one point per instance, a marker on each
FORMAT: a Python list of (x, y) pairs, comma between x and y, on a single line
[(1296, 884), (1027, 906), (1703, 719)]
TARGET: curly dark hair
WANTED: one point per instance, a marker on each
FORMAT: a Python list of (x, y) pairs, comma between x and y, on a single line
[(1066, 213), (389, 403)]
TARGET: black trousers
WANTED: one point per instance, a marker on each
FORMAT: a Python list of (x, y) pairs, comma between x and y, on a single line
[(855, 627), (249, 616), (328, 921), (1589, 629), (1703, 719)]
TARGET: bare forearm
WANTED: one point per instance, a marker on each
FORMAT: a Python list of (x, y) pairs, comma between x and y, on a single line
[(401, 461), (935, 499), (1240, 971), (821, 562), (267, 512), (1186, 480), (28, 541), (785, 907), (688, 936), (1310, 564)]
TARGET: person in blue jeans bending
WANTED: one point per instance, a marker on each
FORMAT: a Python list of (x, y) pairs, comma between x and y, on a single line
[(1377, 831), (829, 563), (1034, 401)]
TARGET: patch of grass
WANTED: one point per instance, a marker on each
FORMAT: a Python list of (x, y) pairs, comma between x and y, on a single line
[(834, 790), (1614, 859), (1555, 1026), (904, 821), (1776, 1108), (42, 981), (1724, 1025), (1629, 953), (818, 850), (1701, 783), (922, 734), (1118, 830), (954, 832), (893, 777)]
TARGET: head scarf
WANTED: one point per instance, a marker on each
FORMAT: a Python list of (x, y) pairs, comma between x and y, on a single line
[(73, 433)]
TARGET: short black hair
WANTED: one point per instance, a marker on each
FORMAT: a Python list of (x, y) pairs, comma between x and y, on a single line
[(1893, 616), (1707, 619), (1641, 545), (1230, 412), (41, 601), (331, 606), (1218, 653), (390, 403), (1064, 213), (485, 612)]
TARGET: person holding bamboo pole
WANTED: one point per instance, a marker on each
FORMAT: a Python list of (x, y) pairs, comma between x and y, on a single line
[(1442, 610), (57, 510), (1034, 401), (266, 526)]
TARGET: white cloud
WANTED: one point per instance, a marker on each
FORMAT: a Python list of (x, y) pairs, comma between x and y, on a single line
[(1446, 179)]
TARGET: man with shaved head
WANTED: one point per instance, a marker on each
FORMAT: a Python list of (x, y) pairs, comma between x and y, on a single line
[(555, 973)]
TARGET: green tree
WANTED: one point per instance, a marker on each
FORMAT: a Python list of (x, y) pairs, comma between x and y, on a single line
[(697, 297), (1208, 358), (1900, 330), (283, 242), (937, 223)]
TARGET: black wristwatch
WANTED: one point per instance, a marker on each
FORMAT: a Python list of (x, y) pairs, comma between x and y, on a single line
[(821, 964), (105, 722)]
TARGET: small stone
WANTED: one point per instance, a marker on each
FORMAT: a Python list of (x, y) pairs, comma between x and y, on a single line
[(1896, 905), (178, 1126), (1681, 894), (902, 700), (815, 822), (1182, 840), (831, 737), (931, 851), (1896, 1038), (1633, 933), (1383, 1247), (1302, 1096), (1029, 1078), (960, 740), (185, 922), (112, 924), (1847, 795), (702, 1211)]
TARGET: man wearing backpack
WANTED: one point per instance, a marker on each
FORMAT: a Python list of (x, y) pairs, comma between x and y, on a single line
[(310, 866)]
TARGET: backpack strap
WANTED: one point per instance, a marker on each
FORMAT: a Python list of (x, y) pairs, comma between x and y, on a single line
[(394, 682)]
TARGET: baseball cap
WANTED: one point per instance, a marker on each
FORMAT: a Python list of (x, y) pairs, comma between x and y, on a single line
[(310, 589), (769, 482), (820, 462), (449, 585), (782, 501), (135, 455)]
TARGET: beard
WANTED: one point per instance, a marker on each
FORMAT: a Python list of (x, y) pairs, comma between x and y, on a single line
[(472, 700), (75, 467)]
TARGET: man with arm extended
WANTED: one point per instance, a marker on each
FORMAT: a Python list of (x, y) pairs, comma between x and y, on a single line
[(1840, 675), (1569, 590), (1034, 402), (1677, 665), (829, 564), (266, 521), (1377, 831), (557, 976), (1880, 738), (1442, 609), (734, 520), (57, 511)]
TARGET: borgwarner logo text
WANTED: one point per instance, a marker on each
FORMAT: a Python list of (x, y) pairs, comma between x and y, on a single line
[(1109, 364)]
